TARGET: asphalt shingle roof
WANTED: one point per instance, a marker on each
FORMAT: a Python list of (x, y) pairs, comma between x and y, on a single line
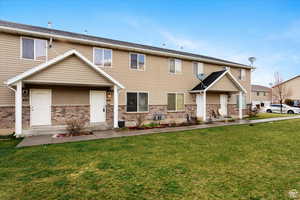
[(106, 40), (208, 80)]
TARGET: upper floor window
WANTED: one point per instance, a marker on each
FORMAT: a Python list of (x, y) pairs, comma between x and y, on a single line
[(198, 68), (102, 57), (175, 66), (35, 49), (257, 93), (137, 61), (242, 75), (137, 102), (175, 101)]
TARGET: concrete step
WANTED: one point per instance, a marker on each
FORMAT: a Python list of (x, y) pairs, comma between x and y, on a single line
[(61, 129)]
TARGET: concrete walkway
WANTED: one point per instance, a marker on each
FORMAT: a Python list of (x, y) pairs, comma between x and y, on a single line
[(47, 139)]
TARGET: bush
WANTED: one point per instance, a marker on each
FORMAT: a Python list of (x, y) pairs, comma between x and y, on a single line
[(139, 120), (253, 112), (289, 102), (75, 126)]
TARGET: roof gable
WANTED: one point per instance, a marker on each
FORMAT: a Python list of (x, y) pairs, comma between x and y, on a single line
[(219, 81), (69, 70), (58, 59)]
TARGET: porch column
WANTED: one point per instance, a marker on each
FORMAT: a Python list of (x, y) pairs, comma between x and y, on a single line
[(204, 106), (241, 105), (116, 106), (18, 109)]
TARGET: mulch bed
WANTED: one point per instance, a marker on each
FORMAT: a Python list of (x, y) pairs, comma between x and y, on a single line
[(61, 135)]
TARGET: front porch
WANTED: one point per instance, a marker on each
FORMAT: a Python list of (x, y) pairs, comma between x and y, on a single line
[(219, 96), (64, 88)]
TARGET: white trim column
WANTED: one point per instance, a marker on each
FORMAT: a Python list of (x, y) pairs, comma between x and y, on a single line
[(18, 109), (116, 106), (241, 105), (204, 106)]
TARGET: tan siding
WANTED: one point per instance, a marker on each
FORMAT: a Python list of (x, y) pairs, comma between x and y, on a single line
[(268, 96), (70, 96), (70, 70), (224, 84), (155, 79), (213, 98), (293, 88)]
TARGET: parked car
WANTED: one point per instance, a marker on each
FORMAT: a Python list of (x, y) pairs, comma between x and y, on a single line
[(276, 108)]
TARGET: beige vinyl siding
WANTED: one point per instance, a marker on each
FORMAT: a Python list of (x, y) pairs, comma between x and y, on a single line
[(70, 70), (292, 88), (213, 98), (261, 96), (224, 84), (156, 78), (70, 96)]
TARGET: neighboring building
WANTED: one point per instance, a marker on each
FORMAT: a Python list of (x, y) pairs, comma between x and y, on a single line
[(291, 90), (48, 76), (261, 96)]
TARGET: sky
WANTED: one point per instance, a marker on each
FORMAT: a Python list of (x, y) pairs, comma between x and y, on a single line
[(229, 29)]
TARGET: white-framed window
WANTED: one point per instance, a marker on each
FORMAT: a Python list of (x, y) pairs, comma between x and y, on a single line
[(242, 75), (34, 49), (102, 57), (137, 61), (175, 101), (198, 68), (175, 66), (137, 102)]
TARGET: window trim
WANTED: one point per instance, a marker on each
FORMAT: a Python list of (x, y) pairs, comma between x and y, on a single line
[(194, 72), (176, 101), (130, 91), (169, 71), (34, 53), (138, 69), (242, 75), (111, 63)]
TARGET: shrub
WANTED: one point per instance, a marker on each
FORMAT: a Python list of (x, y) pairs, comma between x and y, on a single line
[(253, 112), (289, 102), (75, 126), (140, 119)]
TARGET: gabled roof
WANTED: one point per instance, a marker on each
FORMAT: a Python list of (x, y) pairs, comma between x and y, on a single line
[(286, 81), (213, 78), (58, 59), (46, 32), (260, 88)]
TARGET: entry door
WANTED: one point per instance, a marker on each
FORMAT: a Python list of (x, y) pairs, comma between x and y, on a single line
[(40, 107), (97, 106), (223, 102), (199, 102)]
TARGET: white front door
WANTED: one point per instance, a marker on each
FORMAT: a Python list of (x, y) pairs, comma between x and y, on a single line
[(223, 103), (199, 102), (97, 106), (40, 107)]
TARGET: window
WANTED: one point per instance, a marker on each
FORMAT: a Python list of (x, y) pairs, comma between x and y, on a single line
[(198, 68), (175, 66), (137, 61), (242, 74), (244, 105), (137, 102), (102, 57), (35, 49), (257, 93), (175, 102), (265, 93)]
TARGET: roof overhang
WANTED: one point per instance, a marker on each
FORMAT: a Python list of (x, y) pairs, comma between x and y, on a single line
[(57, 59), (233, 79), (119, 46)]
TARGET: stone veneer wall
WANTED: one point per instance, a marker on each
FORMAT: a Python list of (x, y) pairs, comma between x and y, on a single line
[(61, 113), (148, 116), (7, 117)]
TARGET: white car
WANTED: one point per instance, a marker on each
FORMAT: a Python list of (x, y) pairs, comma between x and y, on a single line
[(276, 108)]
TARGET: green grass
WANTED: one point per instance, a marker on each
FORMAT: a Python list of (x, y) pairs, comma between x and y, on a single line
[(237, 162), (269, 115)]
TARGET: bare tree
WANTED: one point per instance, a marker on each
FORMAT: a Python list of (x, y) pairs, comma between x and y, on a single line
[(279, 90)]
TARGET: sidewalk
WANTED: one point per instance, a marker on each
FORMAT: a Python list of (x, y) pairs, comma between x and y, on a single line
[(47, 139)]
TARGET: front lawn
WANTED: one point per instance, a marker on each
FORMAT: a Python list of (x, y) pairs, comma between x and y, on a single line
[(269, 115), (235, 162)]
